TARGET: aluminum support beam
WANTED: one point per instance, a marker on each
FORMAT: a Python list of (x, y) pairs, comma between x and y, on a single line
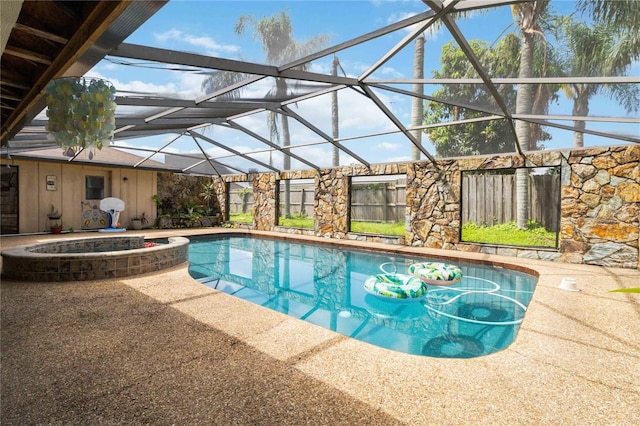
[(442, 101), (407, 22), (585, 131), (206, 157), (227, 148), (406, 40), (512, 80), (272, 145), (397, 123), (323, 135), (135, 51), (157, 151), (171, 103)]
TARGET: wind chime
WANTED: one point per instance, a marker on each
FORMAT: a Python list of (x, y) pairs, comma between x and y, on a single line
[(81, 114)]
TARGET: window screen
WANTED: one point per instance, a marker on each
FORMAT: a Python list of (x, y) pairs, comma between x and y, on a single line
[(94, 187)]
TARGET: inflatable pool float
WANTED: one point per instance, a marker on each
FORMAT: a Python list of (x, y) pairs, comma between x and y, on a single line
[(436, 273), (395, 286)]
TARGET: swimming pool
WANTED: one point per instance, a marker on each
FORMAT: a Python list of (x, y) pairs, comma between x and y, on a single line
[(323, 284)]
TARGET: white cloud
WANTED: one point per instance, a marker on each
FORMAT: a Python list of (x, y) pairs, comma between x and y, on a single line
[(392, 72), (397, 17), (136, 85), (387, 146), (167, 35), (209, 45)]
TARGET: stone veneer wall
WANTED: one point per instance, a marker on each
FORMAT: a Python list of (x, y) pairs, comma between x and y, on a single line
[(265, 201), (600, 207), (433, 204), (331, 204), (220, 188)]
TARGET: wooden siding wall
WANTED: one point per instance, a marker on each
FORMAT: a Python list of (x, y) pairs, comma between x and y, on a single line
[(134, 187)]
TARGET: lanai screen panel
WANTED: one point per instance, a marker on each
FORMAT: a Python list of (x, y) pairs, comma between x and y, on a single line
[(206, 87)]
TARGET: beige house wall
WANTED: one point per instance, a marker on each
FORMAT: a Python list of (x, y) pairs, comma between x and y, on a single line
[(135, 187)]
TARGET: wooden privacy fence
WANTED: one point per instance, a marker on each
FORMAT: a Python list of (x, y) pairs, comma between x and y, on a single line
[(491, 199), (240, 202), (486, 199), (379, 202), (301, 200)]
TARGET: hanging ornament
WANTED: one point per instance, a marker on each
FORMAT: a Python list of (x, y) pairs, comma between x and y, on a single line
[(81, 113)]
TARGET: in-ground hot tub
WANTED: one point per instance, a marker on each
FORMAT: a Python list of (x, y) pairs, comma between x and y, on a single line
[(91, 258)]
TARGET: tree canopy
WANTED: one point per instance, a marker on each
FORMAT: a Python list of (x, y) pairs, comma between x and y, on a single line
[(592, 50), (482, 137)]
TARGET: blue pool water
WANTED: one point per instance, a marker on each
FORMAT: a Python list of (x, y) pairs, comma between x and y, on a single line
[(322, 284)]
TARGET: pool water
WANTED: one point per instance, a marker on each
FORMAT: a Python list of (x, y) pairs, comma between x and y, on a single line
[(323, 285)]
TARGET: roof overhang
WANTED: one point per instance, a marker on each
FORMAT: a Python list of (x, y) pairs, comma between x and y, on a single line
[(52, 39)]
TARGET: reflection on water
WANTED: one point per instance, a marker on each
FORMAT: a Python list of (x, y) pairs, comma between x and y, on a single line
[(323, 285)]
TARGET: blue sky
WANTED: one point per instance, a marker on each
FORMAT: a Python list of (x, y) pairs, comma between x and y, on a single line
[(206, 27)]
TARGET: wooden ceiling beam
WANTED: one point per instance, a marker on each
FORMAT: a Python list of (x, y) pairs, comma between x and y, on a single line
[(63, 8), (10, 82), (28, 55), (10, 97), (95, 24), (40, 33)]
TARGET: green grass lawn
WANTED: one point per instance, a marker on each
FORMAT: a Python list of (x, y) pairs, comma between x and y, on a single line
[(296, 222), (241, 217), (307, 223), (382, 228), (363, 227), (509, 234)]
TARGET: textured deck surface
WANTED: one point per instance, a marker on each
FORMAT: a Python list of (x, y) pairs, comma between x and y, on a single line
[(164, 349)]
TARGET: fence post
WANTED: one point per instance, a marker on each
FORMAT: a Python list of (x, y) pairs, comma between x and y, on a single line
[(385, 215)]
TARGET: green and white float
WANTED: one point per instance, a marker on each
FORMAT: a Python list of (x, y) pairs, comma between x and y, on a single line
[(436, 273), (395, 286)]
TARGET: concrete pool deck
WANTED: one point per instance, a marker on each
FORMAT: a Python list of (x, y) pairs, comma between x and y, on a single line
[(163, 349)]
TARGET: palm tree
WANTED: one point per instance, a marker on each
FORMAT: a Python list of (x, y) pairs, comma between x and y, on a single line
[(615, 46), (219, 80), (588, 53), (335, 130), (622, 18), (417, 103), (276, 35), (526, 17)]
